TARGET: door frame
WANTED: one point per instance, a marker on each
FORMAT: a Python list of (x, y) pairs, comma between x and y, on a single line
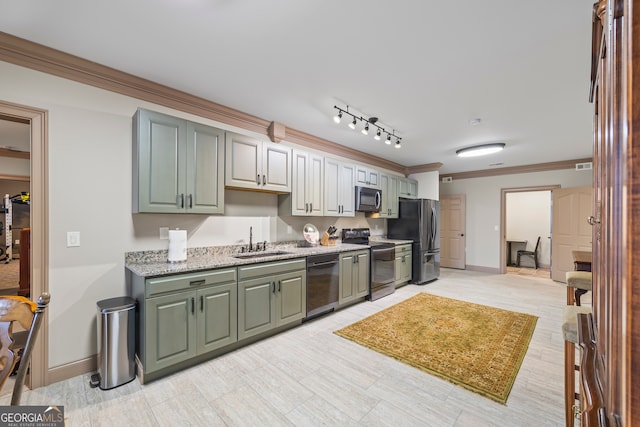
[(39, 197), (503, 217)]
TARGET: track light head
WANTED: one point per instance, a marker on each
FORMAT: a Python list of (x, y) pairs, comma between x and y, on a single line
[(397, 143), (352, 125), (367, 123), (365, 129), (388, 140), (338, 117), (377, 137)]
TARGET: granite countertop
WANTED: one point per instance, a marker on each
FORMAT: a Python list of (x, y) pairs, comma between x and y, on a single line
[(385, 240), (154, 263)]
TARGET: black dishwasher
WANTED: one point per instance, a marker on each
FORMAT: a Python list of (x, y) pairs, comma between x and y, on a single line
[(322, 284)]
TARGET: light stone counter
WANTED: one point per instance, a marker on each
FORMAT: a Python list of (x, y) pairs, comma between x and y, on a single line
[(154, 263)]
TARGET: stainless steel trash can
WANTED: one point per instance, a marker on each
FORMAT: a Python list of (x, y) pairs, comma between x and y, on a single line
[(116, 342)]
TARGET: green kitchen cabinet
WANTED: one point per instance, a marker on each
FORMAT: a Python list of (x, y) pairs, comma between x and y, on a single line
[(178, 166), (408, 188), (271, 295), (306, 197), (252, 164), (339, 188), (186, 315), (403, 262), (367, 177), (354, 276), (389, 185)]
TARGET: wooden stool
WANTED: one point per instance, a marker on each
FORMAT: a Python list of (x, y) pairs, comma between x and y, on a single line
[(578, 284), (570, 335)]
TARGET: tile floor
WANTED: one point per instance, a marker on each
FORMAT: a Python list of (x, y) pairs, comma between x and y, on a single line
[(308, 376)]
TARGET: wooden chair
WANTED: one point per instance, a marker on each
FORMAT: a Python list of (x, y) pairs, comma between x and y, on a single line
[(533, 254), (29, 316)]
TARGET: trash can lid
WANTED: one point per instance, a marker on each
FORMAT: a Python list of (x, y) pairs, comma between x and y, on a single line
[(116, 304)]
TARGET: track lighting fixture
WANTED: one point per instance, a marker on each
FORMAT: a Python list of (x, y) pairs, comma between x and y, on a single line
[(368, 123)]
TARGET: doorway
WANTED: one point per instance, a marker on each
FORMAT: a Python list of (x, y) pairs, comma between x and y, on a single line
[(536, 222), (39, 262)]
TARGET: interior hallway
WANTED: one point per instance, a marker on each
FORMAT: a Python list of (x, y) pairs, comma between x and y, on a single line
[(310, 376)]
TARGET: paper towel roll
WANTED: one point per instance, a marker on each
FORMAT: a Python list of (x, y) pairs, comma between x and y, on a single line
[(177, 245)]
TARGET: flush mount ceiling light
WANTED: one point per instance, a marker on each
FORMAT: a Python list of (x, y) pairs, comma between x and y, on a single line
[(369, 122), (480, 150)]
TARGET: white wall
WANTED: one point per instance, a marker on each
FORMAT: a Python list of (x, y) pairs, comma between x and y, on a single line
[(528, 215), (483, 207), (89, 181)]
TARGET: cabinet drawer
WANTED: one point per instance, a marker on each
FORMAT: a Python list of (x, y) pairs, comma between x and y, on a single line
[(403, 249), (160, 285), (271, 268)]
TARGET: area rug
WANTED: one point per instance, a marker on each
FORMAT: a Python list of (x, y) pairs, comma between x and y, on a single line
[(474, 346)]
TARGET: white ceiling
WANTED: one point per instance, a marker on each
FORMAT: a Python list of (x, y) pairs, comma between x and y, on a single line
[(425, 68)]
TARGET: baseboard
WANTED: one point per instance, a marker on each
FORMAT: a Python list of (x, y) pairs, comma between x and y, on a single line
[(483, 269), (70, 370)]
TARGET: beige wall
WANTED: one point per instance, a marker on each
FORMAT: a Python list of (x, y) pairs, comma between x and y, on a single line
[(483, 207), (90, 145)]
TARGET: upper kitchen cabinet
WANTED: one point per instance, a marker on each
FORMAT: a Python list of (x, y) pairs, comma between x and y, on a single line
[(257, 165), (367, 177), (339, 188), (306, 197), (408, 188), (389, 184), (178, 165)]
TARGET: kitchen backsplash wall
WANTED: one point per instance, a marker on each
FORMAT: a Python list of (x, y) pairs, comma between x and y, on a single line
[(243, 210)]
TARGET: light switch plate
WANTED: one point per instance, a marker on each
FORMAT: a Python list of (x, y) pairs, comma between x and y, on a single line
[(73, 239)]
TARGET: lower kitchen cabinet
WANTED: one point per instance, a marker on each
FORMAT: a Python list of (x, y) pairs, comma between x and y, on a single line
[(271, 295), (185, 315), (355, 271), (403, 264)]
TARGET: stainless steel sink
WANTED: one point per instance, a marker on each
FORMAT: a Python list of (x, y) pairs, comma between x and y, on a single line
[(260, 254)]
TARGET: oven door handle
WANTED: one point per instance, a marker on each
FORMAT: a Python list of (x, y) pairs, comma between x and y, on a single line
[(320, 264)]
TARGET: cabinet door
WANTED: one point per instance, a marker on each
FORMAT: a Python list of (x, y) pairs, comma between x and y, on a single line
[(170, 330), (291, 289), (331, 187), (205, 169), (315, 184), (347, 286), (399, 269), (408, 188), (392, 199), (243, 168), (367, 177), (299, 186), (363, 269), (256, 306), (217, 317), (159, 163), (276, 168), (347, 189)]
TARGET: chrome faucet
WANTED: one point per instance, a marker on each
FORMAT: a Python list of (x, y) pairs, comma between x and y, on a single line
[(250, 239)]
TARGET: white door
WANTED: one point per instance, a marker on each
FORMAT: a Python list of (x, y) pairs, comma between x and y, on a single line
[(452, 231), (570, 230)]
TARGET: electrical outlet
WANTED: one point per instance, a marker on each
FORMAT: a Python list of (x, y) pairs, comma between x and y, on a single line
[(73, 239), (164, 233)]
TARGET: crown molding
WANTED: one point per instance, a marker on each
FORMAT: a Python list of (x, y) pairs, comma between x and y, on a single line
[(539, 167), (429, 167), (38, 57)]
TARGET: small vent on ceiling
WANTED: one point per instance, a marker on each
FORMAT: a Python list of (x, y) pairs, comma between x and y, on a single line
[(447, 179), (584, 166)]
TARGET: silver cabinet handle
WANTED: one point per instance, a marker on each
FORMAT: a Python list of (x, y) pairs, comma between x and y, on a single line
[(592, 220), (193, 305), (279, 285), (190, 201), (264, 180), (180, 200), (273, 287), (306, 207), (258, 179), (310, 207), (201, 303)]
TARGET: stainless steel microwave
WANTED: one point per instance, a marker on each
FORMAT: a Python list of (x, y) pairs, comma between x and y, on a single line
[(368, 199)]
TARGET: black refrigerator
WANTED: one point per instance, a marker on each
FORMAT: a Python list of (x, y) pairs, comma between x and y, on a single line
[(419, 221)]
